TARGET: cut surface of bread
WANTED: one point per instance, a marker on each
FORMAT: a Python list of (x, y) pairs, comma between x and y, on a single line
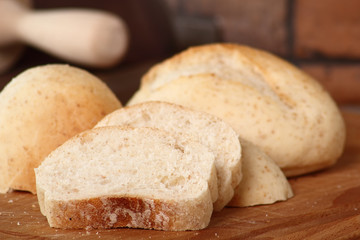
[(266, 100), (263, 181), (111, 177), (209, 130), (39, 110)]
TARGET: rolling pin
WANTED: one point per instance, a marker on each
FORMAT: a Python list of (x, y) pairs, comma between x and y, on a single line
[(83, 36)]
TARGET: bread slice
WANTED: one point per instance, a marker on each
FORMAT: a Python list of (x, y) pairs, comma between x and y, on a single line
[(309, 132), (209, 130), (301, 132), (39, 110), (263, 181), (112, 177)]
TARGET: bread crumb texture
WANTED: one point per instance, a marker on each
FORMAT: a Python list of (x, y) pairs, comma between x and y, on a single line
[(207, 129)]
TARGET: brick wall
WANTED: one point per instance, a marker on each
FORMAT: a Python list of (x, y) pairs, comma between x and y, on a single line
[(322, 37)]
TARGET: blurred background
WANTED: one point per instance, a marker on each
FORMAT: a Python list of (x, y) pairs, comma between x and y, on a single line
[(322, 37)]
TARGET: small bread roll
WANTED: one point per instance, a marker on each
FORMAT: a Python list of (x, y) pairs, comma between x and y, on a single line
[(39, 110), (268, 101)]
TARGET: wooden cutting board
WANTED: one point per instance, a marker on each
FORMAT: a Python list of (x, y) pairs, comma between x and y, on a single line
[(326, 206)]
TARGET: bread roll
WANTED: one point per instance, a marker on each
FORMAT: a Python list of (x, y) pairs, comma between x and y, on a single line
[(111, 177), (268, 101), (209, 130), (39, 110)]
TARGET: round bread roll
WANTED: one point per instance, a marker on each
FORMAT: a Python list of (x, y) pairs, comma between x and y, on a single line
[(268, 101), (39, 110)]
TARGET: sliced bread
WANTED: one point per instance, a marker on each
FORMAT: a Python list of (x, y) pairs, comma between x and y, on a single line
[(263, 181), (209, 130), (111, 177)]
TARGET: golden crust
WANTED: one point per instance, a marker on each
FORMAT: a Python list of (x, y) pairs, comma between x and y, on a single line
[(115, 212)]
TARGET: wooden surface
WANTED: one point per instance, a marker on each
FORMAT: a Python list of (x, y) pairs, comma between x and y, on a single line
[(326, 206)]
